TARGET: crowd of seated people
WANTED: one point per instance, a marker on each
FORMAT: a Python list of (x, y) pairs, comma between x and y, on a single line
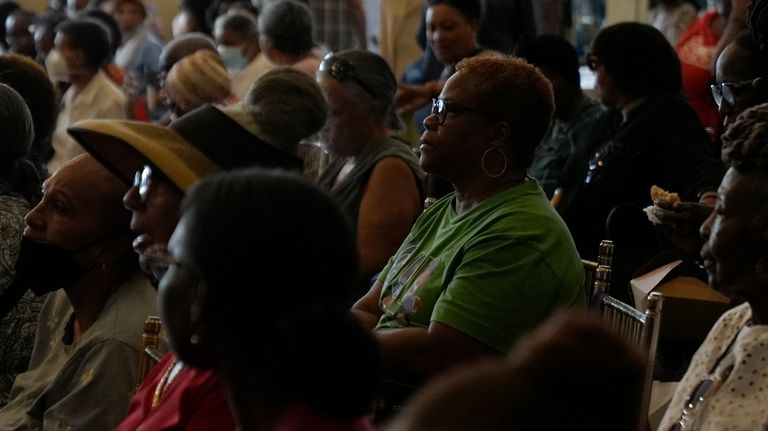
[(193, 203)]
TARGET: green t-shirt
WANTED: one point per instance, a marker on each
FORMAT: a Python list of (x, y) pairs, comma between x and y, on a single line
[(493, 273)]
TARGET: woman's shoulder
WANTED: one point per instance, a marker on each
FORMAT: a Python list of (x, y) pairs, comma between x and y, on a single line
[(393, 148), (664, 112)]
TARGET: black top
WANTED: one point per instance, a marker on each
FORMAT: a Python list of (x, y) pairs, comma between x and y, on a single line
[(661, 143)]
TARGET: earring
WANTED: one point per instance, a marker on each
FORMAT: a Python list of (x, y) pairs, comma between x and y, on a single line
[(503, 168), (194, 339)]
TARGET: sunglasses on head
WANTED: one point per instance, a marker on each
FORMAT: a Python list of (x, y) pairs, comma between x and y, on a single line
[(342, 70)]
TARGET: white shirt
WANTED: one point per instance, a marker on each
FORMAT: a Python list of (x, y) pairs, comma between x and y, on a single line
[(99, 99), (739, 403)]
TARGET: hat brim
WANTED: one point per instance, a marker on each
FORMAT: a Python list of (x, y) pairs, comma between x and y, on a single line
[(124, 147)]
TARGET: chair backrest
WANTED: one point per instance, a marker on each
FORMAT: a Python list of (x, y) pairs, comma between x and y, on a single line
[(640, 329), (604, 259), (590, 270), (150, 343)]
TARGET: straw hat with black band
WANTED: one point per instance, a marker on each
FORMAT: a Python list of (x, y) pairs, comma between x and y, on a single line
[(209, 139)]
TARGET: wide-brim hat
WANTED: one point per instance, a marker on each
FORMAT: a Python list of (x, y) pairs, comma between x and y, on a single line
[(200, 143), (124, 147)]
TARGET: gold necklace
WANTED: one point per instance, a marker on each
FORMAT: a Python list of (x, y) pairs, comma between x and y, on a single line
[(162, 385)]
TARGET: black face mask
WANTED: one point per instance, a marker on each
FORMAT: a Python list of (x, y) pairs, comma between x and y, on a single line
[(45, 268)]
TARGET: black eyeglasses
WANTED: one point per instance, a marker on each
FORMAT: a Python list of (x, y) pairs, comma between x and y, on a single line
[(341, 70), (729, 91), (441, 108), (142, 180), (593, 62)]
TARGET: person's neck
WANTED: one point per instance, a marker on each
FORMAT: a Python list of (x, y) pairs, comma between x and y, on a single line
[(81, 80), (372, 140), (571, 103), (286, 59), (628, 106), (378, 134), (128, 34), (90, 293), (759, 308), (471, 194)]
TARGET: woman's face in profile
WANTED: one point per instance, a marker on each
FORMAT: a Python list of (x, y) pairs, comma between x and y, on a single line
[(735, 69), (605, 86), (732, 252), (454, 147), (346, 130), (178, 294), (154, 204)]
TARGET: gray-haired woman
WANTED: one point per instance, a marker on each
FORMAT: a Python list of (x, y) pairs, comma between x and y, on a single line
[(375, 177)]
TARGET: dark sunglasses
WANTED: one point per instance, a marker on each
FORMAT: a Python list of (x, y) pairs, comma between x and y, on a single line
[(593, 62), (729, 91), (142, 180), (441, 108), (342, 70)]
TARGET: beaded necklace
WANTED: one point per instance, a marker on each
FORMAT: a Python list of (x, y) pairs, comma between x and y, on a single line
[(165, 381)]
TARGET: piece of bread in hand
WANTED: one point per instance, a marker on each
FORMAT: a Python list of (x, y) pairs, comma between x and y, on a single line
[(659, 194)]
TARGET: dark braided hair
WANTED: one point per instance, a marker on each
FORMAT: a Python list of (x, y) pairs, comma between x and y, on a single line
[(16, 135), (745, 149), (757, 24), (745, 144)]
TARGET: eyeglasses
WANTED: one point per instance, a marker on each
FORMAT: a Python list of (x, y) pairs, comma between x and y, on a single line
[(729, 91), (142, 180), (593, 62), (441, 108), (341, 70)]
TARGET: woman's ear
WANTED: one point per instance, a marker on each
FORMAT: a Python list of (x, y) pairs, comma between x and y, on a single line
[(760, 85), (80, 59), (197, 304), (502, 133), (475, 24), (374, 108)]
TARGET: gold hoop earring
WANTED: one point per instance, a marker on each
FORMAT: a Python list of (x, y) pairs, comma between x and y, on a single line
[(503, 168)]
